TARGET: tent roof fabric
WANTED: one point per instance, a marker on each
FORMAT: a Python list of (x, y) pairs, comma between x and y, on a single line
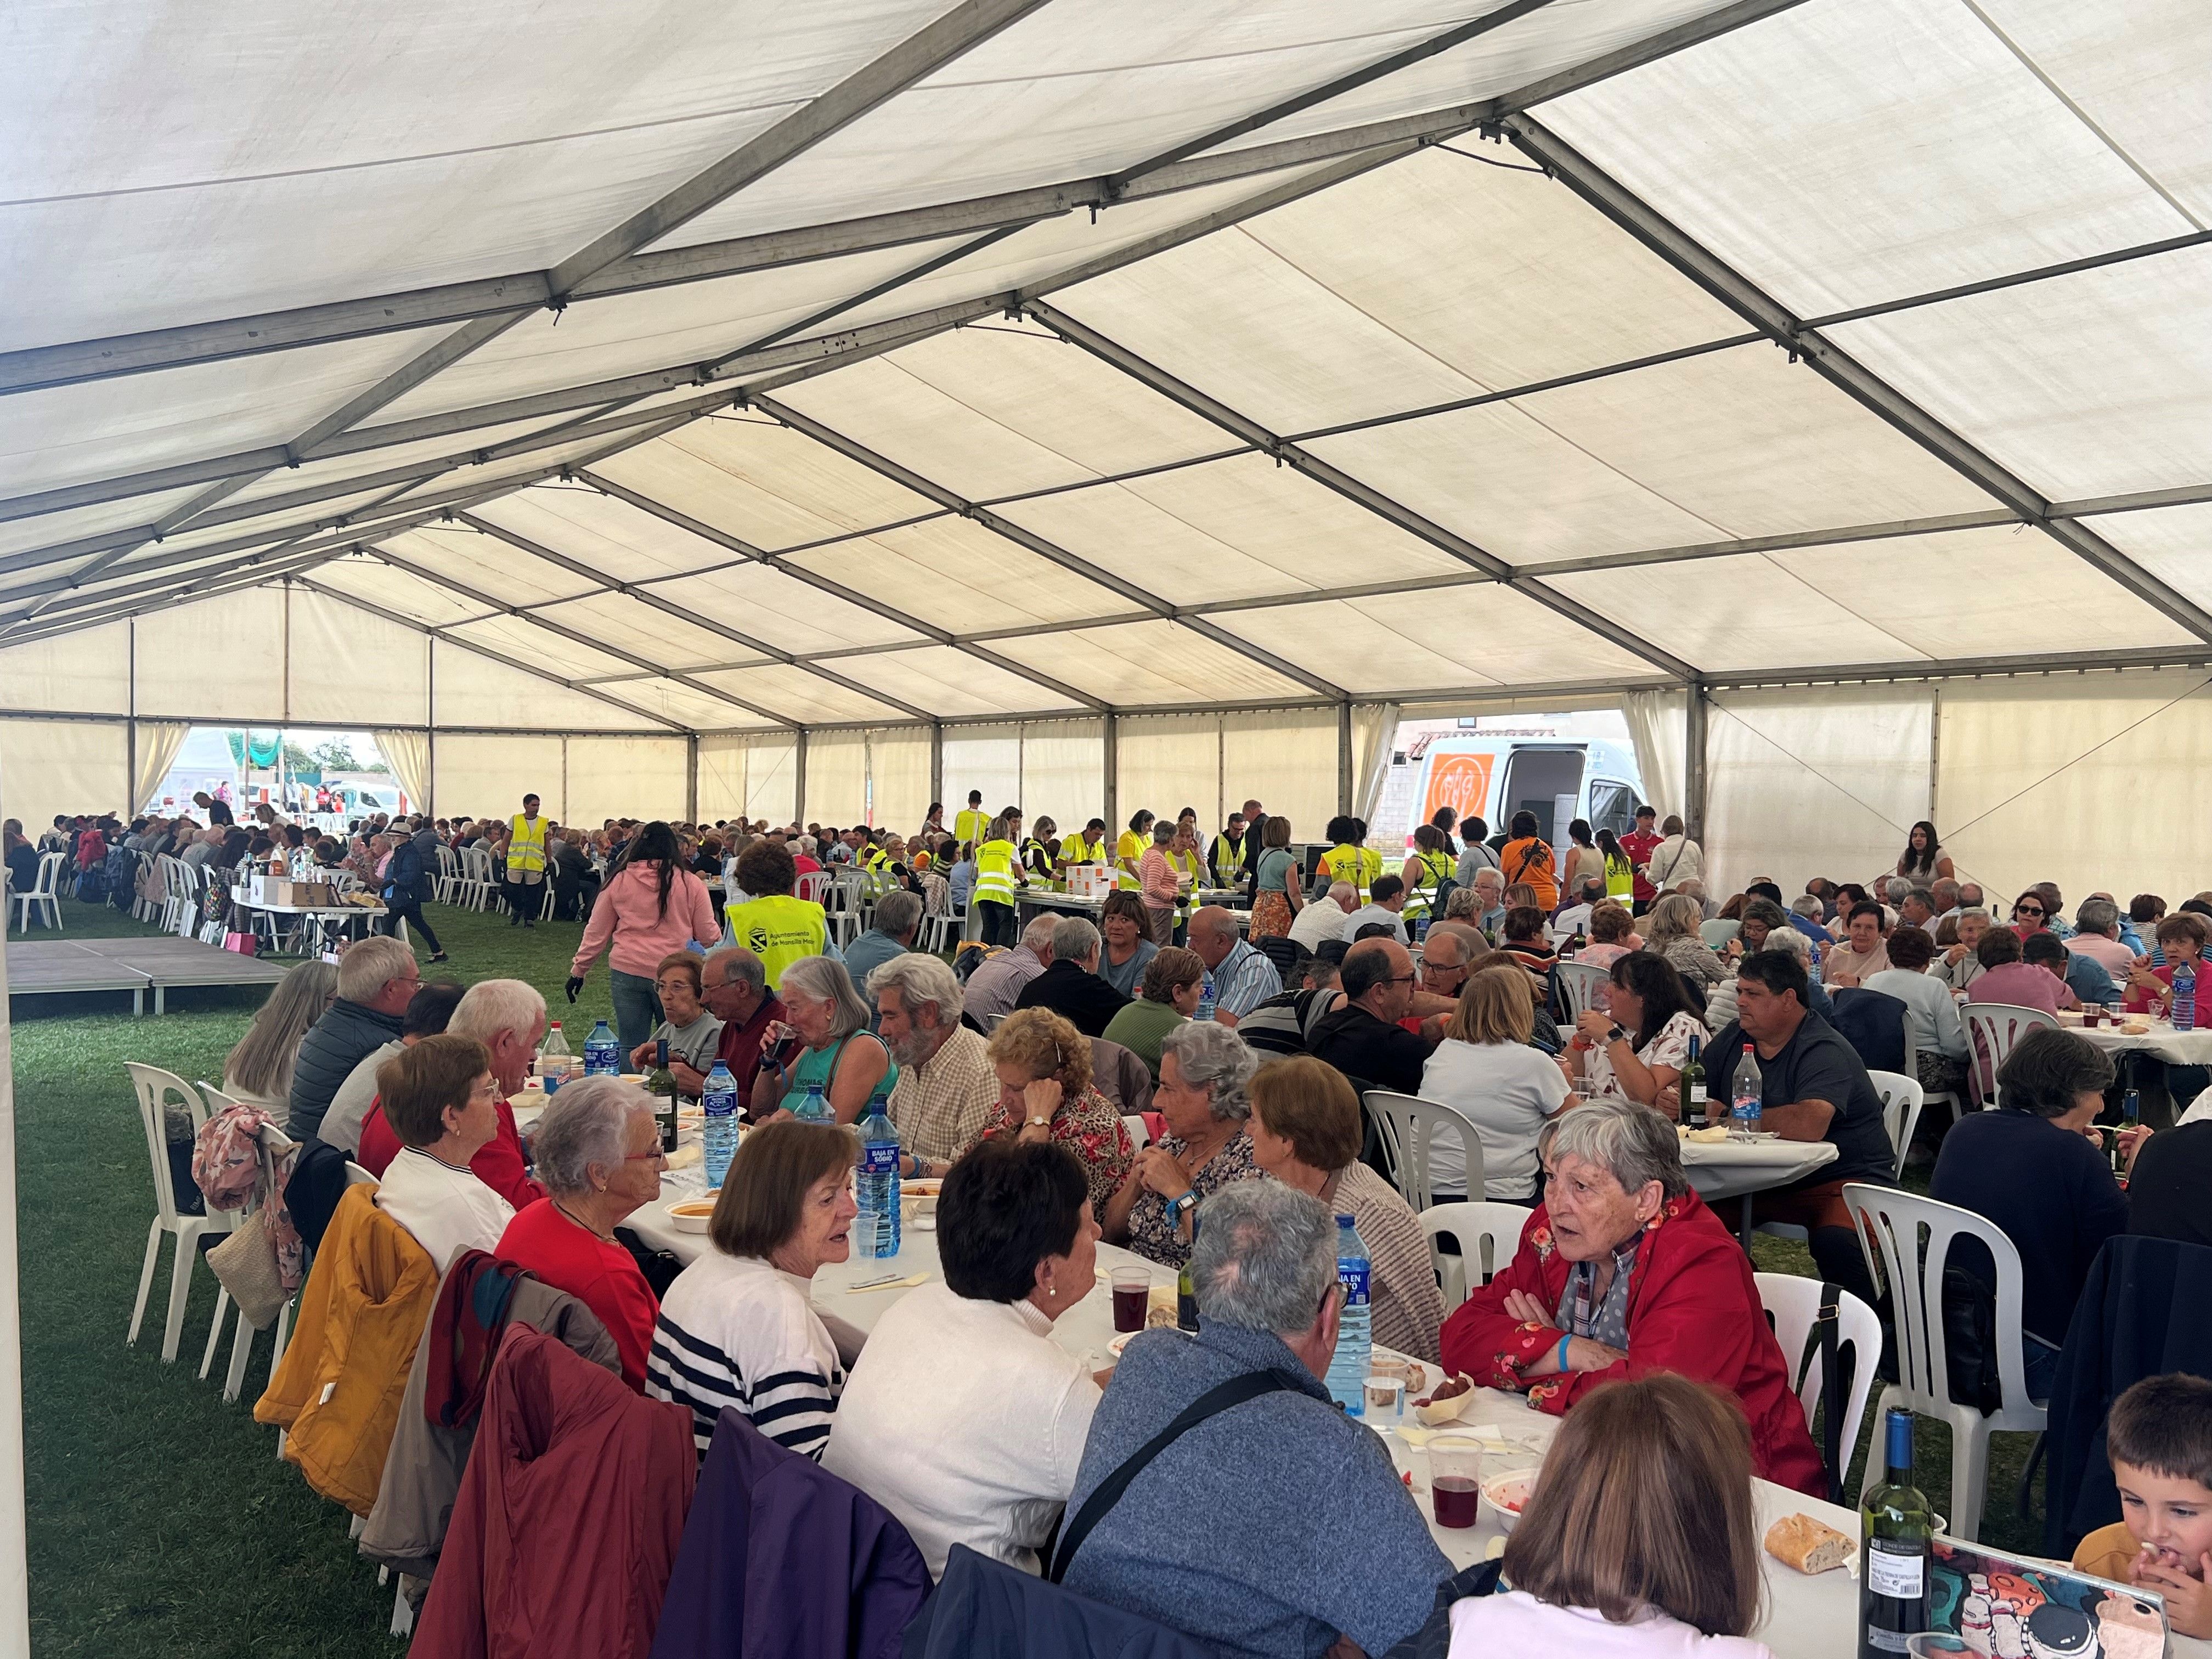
[(935, 359)]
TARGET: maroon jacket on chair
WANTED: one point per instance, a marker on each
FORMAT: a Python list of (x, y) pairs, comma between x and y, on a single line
[(568, 1517)]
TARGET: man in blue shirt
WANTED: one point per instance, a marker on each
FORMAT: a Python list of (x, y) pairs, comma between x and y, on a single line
[(1278, 1525)]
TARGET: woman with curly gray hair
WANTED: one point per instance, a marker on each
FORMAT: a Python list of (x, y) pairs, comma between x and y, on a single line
[(1204, 1093), (598, 1154)]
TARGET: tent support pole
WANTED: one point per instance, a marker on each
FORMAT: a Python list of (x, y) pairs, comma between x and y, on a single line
[(691, 777), (1344, 782), (1693, 768), (798, 776), (936, 760), (1111, 725)]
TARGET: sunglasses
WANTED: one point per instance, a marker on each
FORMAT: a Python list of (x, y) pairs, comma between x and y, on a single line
[(2028, 910)]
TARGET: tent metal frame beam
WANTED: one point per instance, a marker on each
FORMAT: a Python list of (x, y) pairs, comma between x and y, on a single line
[(770, 654), (1702, 266), (438, 578), (936, 44), (215, 341), (1343, 484), (985, 518), (930, 634)]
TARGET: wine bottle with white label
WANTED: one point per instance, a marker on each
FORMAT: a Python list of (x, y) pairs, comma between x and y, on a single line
[(1693, 1088), (1897, 1531)]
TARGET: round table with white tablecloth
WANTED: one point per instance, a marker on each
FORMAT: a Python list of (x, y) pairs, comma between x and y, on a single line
[(1744, 1169), (2161, 1040)]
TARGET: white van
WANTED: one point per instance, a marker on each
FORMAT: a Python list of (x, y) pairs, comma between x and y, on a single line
[(1493, 777)]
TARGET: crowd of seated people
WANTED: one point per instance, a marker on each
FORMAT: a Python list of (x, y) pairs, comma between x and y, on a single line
[(1626, 1307)]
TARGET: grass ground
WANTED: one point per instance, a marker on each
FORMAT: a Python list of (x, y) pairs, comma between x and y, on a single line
[(161, 1519)]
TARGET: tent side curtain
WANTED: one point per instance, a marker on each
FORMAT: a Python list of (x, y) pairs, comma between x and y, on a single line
[(1166, 763), (156, 745), (1286, 761), (48, 766), (2098, 783), (1658, 724), (748, 777), (898, 779), (1063, 773), (836, 779), (1824, 781), (408, 754), (625, 778), (486, 775)]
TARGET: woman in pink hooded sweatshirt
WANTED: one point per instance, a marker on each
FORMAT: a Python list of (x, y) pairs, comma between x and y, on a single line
[(650, 909)]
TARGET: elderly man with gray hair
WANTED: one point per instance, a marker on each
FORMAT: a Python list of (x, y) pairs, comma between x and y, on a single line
[(1623, 1271), (598, 1154), (890, 933), (1070, 986), (946, 1091), (1274, 1525), (992, 987), (377, 979)]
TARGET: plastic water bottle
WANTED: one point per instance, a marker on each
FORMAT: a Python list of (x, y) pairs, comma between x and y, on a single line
[(1746, 1102), (876, 1186), (1355, 1345), (720, 1100), (813, 1107), (1813, 966), (1205, 999), (553, 1054), (602, 1053), (2185, 998)]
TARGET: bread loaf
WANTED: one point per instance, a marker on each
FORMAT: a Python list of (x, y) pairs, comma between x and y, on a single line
[(1807, 1545)]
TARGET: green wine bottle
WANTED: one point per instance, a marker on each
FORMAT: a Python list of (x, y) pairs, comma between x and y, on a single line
[(1693, 1082), (662, 1082), (1897, 1531)]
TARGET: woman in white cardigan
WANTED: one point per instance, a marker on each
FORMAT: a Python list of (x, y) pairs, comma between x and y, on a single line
[(1675, 859), (739, 1327)]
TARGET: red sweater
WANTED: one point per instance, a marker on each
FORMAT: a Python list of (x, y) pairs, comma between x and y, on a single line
[(1693, 1308), (603, 1277), (498, 1162)]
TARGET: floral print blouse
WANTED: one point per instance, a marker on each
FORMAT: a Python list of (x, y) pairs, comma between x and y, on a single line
[(1150, 1234), (1090, 1127)]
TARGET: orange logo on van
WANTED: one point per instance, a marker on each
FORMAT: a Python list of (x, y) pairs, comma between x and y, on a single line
[(1460, 782)]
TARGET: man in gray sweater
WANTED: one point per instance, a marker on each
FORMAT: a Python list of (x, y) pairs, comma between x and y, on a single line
[(1278, 1525)]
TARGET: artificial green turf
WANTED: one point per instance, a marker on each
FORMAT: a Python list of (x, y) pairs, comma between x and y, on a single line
[(161, 1519)]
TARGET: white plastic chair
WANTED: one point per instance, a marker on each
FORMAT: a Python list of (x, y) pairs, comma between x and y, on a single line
[(142, 907), (446, 885), (42, 894), (1993, 1030), (938, 933), (1406, 1124), (1487, 1234), (1579, 984), (155, 1087), (1914, 1236), (841, 907), (809, 885), (1792, 1305), (1139, 1136), (483, 882), (1901, 1099)]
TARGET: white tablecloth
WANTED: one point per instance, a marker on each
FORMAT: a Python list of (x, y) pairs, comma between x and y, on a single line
[(1730, 1169), (2175, 1047)]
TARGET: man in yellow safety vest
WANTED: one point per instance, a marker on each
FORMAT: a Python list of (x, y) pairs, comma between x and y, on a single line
[(526, 865), (969, 826)]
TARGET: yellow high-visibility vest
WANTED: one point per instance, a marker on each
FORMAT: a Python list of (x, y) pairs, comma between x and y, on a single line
[(525, 845), (971, 825), (995, 872), (779, 929), (1185, 864), (1227, 860), (1076, 850), (1130, 847), (1435, 867)]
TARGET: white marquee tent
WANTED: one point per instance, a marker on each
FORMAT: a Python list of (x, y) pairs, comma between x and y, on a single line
[(696, 408)]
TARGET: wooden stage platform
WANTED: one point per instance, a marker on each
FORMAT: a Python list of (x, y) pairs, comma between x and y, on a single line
[(48, 967)]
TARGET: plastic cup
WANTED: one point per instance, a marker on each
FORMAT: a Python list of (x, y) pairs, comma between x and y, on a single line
[(1385, 1399), (1936, 1644), (1132, 1292), (1456, 1479)]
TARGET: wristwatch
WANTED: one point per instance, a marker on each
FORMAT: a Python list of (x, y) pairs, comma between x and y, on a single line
[(1039, 1123), (1176, 1207), (1616, 1034)]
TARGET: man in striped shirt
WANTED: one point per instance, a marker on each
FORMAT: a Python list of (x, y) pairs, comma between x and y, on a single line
[(1243, 978)]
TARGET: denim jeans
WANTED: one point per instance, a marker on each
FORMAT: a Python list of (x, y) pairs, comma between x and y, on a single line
[(637, 1010), (2038, 1365)]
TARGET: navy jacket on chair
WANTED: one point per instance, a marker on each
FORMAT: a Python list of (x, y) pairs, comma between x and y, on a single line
[(986, 1609), (2142, 1314), (781, 1559)]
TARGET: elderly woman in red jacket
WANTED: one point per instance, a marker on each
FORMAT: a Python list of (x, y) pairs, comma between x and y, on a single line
[(1622, 1271)]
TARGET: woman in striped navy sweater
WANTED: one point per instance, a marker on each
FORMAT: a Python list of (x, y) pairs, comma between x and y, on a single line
[(737, 1328)]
